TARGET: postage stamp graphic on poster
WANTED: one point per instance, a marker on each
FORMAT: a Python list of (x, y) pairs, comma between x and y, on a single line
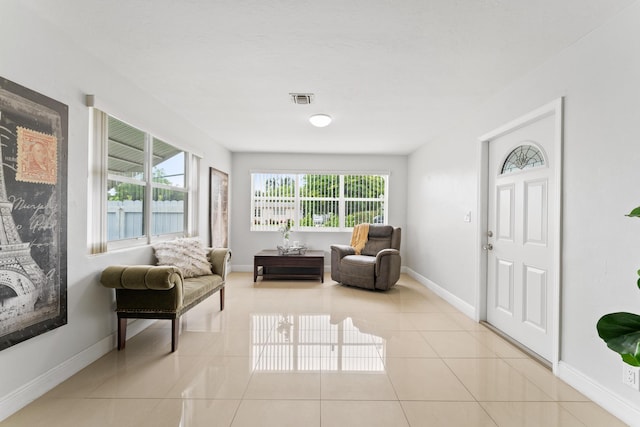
[(37, 157)]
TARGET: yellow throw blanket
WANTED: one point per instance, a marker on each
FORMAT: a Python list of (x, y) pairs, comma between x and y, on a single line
[(359, 237)]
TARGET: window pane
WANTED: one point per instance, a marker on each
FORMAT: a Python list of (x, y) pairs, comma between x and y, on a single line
[(365, 195), (324, 210), (319, 213), (168, 164), (126, 150), (364, 186), (359, 212), (167, 211), (273, 200), (125, 217), (320, 186)]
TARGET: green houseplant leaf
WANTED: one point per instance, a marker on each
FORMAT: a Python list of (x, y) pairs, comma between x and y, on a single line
[(621, 332), (635, 212)]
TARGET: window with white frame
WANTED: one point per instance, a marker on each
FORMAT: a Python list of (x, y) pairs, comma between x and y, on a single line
[(145, 189), (317, 201)]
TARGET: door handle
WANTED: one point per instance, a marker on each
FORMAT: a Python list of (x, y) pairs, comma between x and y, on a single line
[(488, 247)]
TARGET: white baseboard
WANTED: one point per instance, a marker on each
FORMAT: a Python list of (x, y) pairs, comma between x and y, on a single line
[(452, 299), (32, 390), (242, 268), (610, 401)]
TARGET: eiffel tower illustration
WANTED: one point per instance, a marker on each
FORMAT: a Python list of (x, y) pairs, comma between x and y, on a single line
[(18, 270)]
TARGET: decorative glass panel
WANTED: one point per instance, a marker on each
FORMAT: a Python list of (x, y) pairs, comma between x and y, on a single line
[(523, 157)]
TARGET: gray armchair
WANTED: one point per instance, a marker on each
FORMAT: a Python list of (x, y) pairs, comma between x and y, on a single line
[(378, 265)]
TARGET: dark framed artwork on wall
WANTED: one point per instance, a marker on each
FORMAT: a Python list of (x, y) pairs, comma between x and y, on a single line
[(218, 208), (33, 203)]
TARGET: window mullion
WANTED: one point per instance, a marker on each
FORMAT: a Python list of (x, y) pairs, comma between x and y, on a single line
[(341, 203), (255, 214), (385, 199), (296, 200), (191, 170), (125, 179), (148, 192)]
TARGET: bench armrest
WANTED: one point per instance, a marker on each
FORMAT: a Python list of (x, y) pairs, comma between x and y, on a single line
[(219, 257), (141, 277)]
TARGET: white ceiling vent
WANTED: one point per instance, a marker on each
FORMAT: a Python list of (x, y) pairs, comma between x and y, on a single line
[(301, 98)]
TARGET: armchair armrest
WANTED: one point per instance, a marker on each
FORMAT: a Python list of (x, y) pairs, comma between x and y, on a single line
[(342, 250), (218, 257), (141, 277), (384, 257), (337, 253)]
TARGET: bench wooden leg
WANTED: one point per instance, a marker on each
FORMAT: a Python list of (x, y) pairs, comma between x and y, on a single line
[(122, 332), (175, 333), (221, 299)]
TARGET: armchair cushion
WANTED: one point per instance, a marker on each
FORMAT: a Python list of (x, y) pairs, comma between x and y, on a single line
[(358, 270), (379, 239)]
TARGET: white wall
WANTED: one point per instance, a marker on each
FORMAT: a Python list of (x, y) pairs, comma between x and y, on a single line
[(598, 76), (245, 243), (44, 61)]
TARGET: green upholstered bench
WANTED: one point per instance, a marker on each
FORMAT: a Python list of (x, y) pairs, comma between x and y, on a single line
[(161, 292)]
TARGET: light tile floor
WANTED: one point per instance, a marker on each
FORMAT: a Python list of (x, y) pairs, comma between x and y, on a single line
[(302, 353)]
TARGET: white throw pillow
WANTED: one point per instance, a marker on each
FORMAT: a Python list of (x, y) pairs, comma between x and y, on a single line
[(187, 254)]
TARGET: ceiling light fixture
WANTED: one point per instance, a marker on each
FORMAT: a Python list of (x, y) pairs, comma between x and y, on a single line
[(320, 120)]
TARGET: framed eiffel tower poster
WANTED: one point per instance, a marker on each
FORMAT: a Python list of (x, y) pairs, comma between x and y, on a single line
[(33, 223)]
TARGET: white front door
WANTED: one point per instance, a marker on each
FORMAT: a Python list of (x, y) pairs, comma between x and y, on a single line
[(520, 250)]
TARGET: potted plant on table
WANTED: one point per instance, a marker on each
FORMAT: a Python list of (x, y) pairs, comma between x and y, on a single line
[(621, 331), (285, 230)]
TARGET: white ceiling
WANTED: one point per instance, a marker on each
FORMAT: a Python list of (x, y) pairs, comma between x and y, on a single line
[(392, 73)]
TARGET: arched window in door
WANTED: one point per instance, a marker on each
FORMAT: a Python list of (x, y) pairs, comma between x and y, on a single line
[(523, 157)]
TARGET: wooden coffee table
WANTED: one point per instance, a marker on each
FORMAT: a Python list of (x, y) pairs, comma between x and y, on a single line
[(271, 265)]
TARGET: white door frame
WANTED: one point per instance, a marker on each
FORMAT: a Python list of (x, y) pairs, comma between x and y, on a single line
[(553, 108)]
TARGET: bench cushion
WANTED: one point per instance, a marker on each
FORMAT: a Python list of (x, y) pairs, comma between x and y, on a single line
[(187, 254), (198, 288)]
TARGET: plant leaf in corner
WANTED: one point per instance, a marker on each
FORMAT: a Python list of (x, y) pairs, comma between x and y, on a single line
[(635, 212), (621, 332)]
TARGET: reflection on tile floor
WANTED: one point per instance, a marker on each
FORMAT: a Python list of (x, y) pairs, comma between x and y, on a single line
[(304, 353)]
